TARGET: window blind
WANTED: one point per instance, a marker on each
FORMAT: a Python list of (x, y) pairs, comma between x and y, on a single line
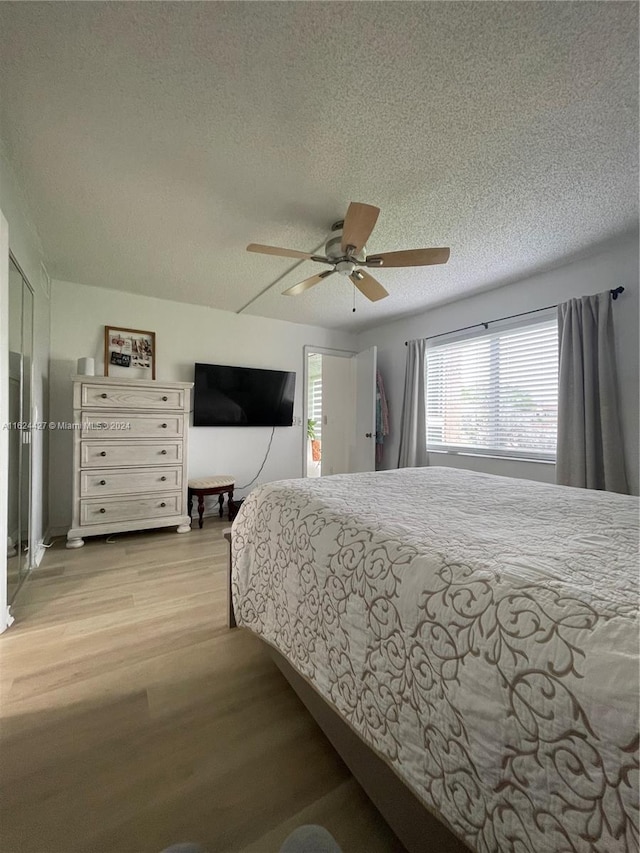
[(496, 394), (315, 405)]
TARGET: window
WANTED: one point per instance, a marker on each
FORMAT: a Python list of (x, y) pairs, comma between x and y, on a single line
[(496, 394), (314, 391), (315, 405)]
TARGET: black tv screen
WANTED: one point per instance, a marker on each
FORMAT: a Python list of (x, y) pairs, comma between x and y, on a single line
[(242, 396)]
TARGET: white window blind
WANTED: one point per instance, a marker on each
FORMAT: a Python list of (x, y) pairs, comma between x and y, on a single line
[(315, 405), (496, 394)]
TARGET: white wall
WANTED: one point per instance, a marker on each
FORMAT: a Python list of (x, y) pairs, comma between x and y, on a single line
[(26, 247), (610, 266), (184, 334)]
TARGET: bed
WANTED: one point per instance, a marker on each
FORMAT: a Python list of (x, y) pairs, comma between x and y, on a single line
[(474, 638)]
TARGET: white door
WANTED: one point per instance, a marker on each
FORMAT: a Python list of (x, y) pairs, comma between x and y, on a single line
[(363, 456), (338, 413)]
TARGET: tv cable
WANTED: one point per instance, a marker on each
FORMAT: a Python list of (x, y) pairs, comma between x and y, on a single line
[(264, 462)]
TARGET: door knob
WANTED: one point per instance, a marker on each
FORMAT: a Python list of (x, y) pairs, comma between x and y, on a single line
[(368, 434)]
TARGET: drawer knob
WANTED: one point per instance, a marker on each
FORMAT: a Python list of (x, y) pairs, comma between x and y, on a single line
[(103, 482), (163, 503), (163, 452), (163, 479), (103, 453), (104, 396), (103, 426), (164, 399), (164, 426), (103, 509)]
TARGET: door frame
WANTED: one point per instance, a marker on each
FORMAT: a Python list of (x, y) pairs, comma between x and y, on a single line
[(307, 350), (5, 618)]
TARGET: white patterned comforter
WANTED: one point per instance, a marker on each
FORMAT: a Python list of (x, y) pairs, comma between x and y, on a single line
[(479, 632)]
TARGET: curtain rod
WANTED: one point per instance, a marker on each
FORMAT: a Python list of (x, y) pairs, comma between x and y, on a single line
[(615, 292)]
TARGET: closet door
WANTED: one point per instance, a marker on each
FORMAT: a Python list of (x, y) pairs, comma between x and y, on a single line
[(19, 433), (26, 431)]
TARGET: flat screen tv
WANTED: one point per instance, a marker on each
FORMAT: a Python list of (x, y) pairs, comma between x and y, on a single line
[(242, 396)]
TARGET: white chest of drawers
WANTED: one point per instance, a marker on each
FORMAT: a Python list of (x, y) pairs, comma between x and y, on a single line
[(129, 456)]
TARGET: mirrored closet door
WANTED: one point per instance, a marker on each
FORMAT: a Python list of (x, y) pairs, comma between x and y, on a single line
[(20, 380)]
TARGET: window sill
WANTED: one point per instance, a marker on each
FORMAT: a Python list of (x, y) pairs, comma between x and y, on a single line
[(527, 459)]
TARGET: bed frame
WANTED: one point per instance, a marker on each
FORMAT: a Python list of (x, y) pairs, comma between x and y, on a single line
[(416, 827)]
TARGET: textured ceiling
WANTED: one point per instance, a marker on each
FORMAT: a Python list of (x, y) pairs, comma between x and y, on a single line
[(155, 140)]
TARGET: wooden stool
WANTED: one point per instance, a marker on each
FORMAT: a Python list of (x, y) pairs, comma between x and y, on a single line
[(220, 485), (234, 507)]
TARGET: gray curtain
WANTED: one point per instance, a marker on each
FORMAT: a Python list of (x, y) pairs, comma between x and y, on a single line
[(413, 431), (590, 452)]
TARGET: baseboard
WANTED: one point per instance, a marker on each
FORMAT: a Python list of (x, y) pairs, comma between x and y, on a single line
[(213, 513), (39, 553), (41, 547), (55, 532)]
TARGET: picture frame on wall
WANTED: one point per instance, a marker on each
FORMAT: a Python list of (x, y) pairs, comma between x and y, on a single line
[(129, 352)]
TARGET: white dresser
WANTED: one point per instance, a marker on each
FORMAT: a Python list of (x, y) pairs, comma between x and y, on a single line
[(129, 456)]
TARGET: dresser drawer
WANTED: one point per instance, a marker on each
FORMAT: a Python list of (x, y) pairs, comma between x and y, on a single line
[(128, 481), (129, 509), (128, 426), (122, 454), (136, 397)]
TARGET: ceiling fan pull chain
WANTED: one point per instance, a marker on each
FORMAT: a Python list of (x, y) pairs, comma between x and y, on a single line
[(354, 299)]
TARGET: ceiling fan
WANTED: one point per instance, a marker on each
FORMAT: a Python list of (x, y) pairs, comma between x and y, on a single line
[(345, 251)]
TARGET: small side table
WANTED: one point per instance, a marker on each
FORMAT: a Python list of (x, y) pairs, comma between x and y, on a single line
[(220, 485)]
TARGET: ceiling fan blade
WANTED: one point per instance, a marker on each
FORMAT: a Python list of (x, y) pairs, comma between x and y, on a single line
[(358, 225), (276, 250), (368, 286), (306, 284), (409, 258)]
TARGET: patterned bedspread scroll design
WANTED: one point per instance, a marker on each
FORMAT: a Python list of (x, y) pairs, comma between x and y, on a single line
[(480, 633)]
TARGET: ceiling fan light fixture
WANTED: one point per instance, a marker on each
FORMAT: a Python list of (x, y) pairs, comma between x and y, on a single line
[(345, 267)]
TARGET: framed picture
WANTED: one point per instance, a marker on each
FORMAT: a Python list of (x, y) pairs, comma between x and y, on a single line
[(129, 352)]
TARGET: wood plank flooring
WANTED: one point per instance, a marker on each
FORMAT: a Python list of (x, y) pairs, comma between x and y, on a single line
[(132, 718)]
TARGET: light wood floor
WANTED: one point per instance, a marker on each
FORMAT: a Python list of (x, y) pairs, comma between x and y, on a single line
[(132, 718)]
